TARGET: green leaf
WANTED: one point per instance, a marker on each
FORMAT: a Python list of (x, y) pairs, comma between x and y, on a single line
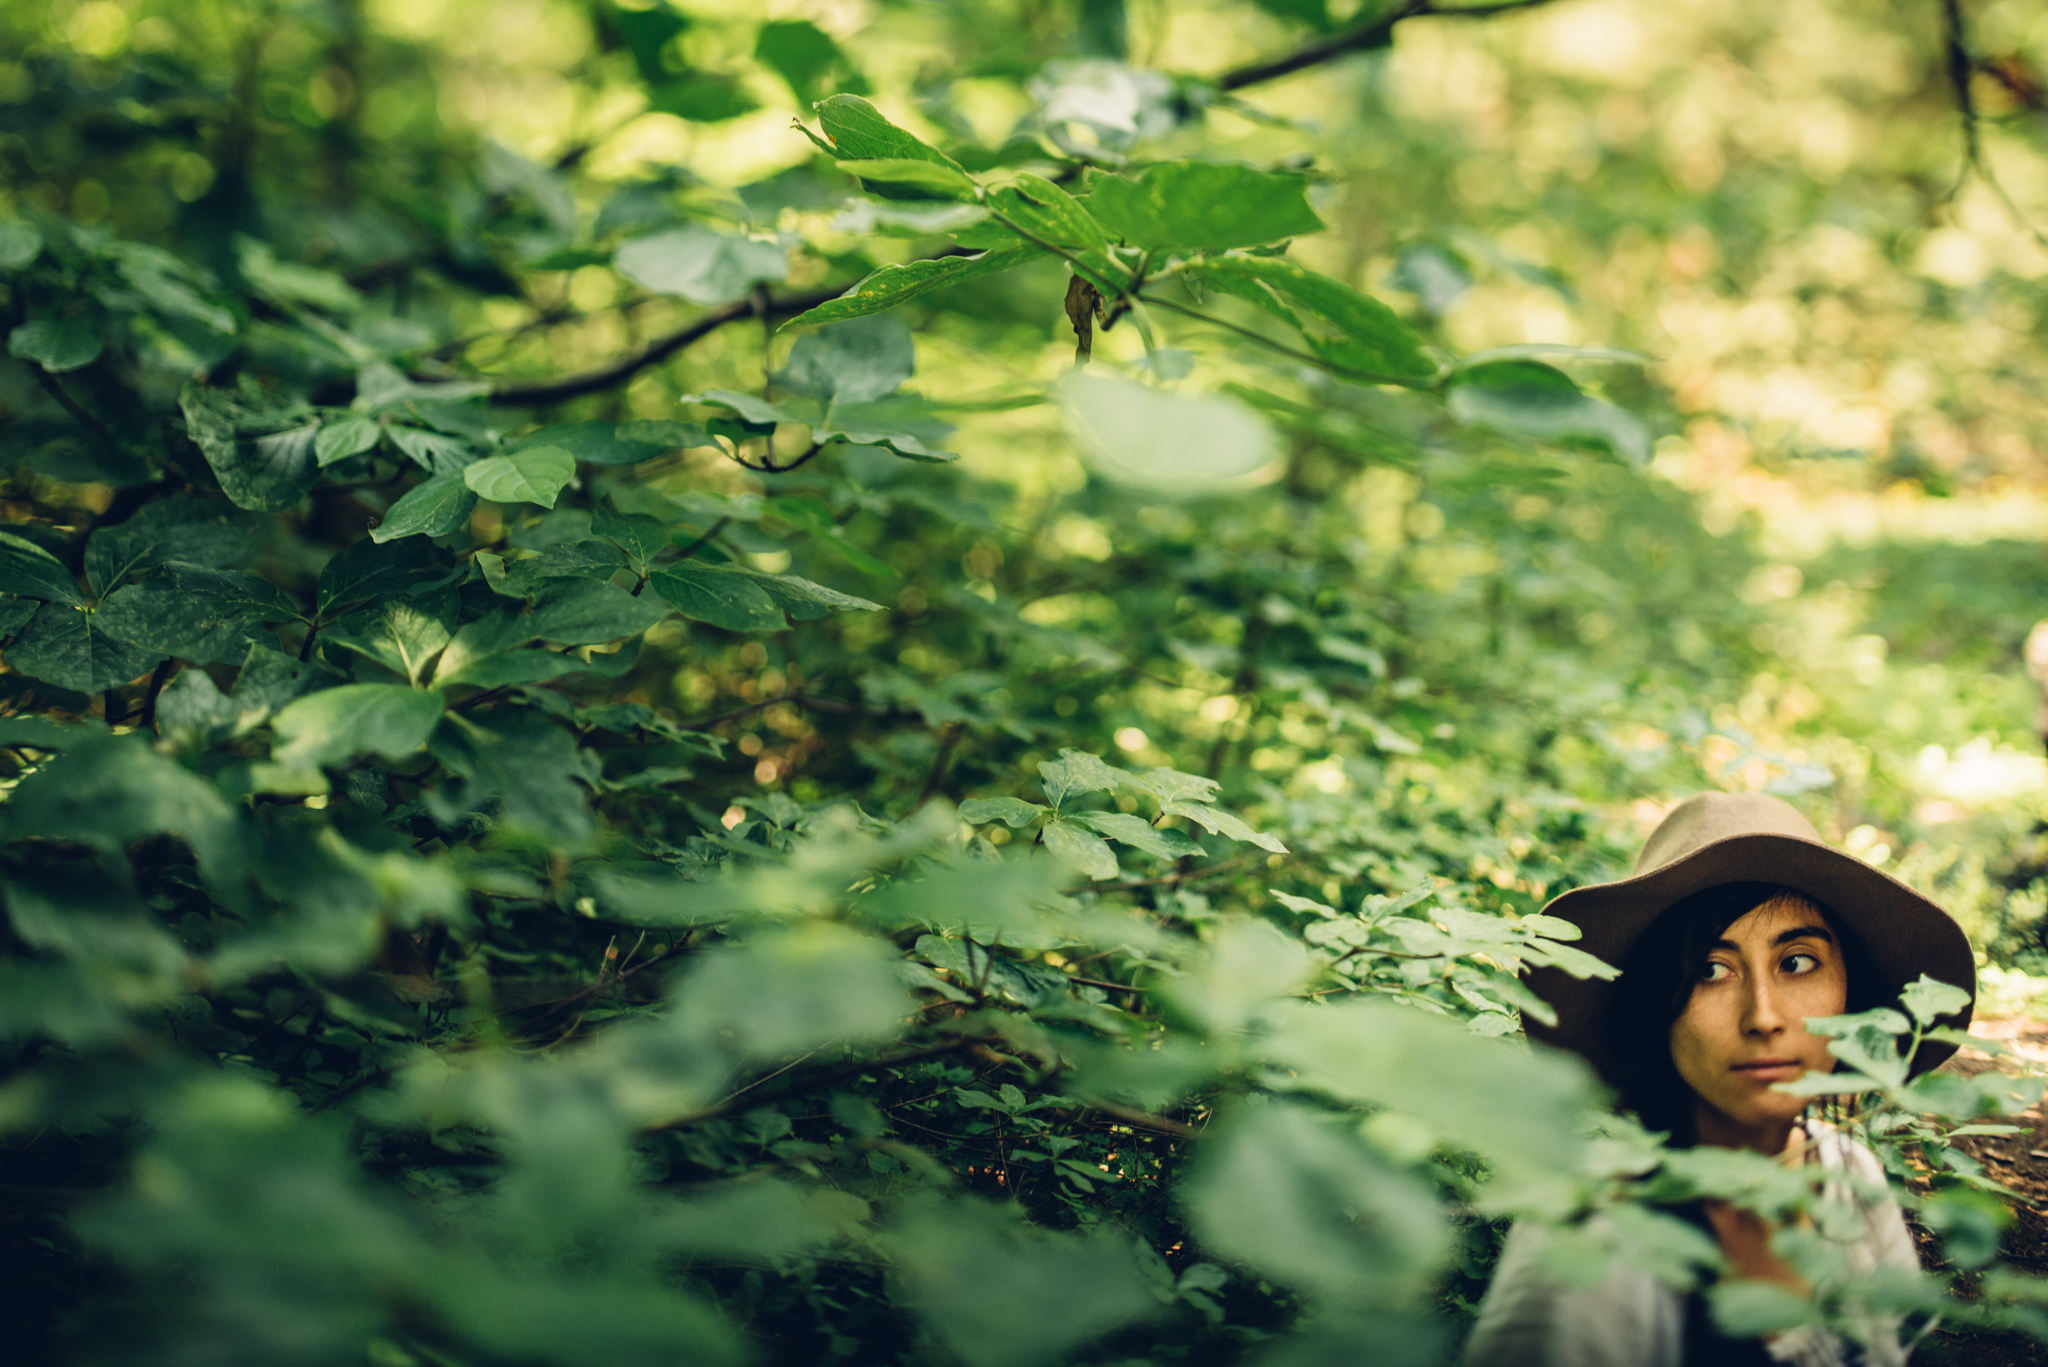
[(1201, 206), (851, 362), (1530, 399), (32, 572), (804, 56), (111, 791), (57, 344), (1160, 440), (518, 756), (856, 131), (507, 667), (199, 531), (369, 569), (20, 244), (437, 507), (1011, 811), (15, 614), (1223, 823), (790, 990), (600, 443), (590, 614), (724, 598), (264, 458), (889, 286), (639, 536), (1048, 216), (1346, 328), (1299, 1199), (401, 633), (337, 724), (1077, 772), (437, 453), (1929, 999), (666, 433), (1078, 848), (935, 180), (1139, 834), (806, 601), (695, 263), (535, 475), (170, 285), (66, 646), (196, 613)]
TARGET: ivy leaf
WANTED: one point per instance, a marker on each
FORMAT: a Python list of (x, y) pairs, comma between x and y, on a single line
[(1163, 440), (724, 598), (601, 443), (1201, 206), (263, 458), (1531, 399), (32, 572), (66, 646), (1078, 848), (369, 569), (1344, 327), (700, 265), (535, 475), (57, 344), (196, 613), (336, 724), (198, 531), (1011, 811), (1139, 834), (436, 507), (889, 286)]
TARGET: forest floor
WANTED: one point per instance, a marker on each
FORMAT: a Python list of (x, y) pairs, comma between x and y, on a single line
[(2020, 1161)]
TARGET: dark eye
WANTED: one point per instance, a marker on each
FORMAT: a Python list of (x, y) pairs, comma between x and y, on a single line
[(1715, 972), (1800, 963)]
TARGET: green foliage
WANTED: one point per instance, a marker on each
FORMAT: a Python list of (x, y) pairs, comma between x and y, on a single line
[(610, 761)]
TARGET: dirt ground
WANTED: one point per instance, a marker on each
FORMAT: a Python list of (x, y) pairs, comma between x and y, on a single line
[(2021, 1162)]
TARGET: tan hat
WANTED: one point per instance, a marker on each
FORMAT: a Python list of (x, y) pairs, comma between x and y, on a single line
[(1719, 838)]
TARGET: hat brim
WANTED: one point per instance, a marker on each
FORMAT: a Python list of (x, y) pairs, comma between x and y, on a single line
[(1902, 934)]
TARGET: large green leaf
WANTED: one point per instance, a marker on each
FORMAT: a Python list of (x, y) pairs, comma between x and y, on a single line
[(401, 633), (57, 345), (889, 286), (724, 598), (338, 723), (263, 457), (351, 434), (1201, 206), (1047, 216), (1080, 848), (110, 791), (806, 601), (597, 443), (701, 265), (32, 572), (929, 179), (369, 568), (199, 531), (1346, 328), (436, 507), (537, 474), (851, 362), (1531, 399), (198, 613), (521, 758), (804, 55), (590, 614), (856, 131), (1139, 833), (65, 645), (1175, 443)]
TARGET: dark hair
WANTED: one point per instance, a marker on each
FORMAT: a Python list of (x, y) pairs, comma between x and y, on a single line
[(1657, 983)]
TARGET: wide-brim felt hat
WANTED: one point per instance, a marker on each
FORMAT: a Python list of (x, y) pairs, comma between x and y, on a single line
[(1720, 838)]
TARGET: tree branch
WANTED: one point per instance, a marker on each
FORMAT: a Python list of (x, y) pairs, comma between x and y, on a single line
[(539, 393), (1961, 68), (1376, 34), (57, 391)]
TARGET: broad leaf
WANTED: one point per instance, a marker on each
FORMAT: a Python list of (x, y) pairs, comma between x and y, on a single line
[(263, 457), (437, 507), (1139, 834), (1201, 206), (1223, 823), (519, 756), (197, 613), (349, 435), (1012, 812), (438, 453), (851, 362), (401, 633), (66, 646), (535, 475), (1531, 399), (806, 601), (368, 569), (1172, 442), (641, 537), (1348, 329), (856, 131), (198, 531), (32, 572), (724, 598), (590, 614), (57, 344), (1078, 847), (339, 723), (601, 443), (932, 179), (698, 264), (1078, 772), (892, 285)]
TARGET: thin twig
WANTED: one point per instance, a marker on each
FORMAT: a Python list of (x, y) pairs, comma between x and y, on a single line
[(817, 1080), (1376, 34), (1187, 877), (57, 391), (701, 542)]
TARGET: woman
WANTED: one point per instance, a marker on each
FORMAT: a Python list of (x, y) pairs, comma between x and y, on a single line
[(1736, 928)]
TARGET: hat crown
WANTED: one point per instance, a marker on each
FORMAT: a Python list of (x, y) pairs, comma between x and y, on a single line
[(1701, 821)]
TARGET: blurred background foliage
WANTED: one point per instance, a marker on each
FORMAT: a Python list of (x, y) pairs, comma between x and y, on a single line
[(655, 1000)]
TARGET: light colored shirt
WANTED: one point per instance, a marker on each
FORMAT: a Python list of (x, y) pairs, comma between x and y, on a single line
[(1630, 1319)]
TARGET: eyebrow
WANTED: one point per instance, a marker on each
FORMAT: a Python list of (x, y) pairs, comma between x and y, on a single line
[(1787, 937)]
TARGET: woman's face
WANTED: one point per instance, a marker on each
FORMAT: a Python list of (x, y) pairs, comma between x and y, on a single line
[(1745, 1025)]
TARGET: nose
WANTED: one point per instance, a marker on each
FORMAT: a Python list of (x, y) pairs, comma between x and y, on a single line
[(1761, 1018)]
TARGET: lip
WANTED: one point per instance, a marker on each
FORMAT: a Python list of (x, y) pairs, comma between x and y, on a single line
[(1771, 1069)]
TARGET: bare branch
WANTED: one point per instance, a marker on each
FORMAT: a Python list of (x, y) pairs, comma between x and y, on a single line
[(1962, 67), (1376, 34)]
